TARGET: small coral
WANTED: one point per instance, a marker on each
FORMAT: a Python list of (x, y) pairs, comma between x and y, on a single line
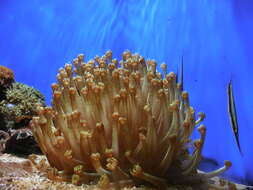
[(6, 79), (20, 105), (6, 76), (121, 124)]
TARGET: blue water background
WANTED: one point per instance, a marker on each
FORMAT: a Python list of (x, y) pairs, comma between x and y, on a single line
[(215, 37)]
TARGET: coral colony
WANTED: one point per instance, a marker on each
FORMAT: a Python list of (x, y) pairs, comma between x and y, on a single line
[(18, 104), (121, 124)]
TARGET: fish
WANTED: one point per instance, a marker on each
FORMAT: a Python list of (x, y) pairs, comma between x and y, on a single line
[(233, 114)]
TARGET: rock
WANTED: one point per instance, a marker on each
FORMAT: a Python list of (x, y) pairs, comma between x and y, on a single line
[(21, 174), (18, 141)]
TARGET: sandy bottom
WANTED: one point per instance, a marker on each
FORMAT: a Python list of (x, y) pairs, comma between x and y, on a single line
[(20, 174)]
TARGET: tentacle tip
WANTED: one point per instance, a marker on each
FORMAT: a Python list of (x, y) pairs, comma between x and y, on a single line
[(202, 115), (202, 129), (136, 171), (227, 163), (76, 179)]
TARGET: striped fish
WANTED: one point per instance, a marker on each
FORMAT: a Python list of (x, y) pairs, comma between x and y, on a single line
[(232, 114)]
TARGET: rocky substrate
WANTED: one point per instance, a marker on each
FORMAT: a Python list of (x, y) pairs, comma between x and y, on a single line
[(18, 173)]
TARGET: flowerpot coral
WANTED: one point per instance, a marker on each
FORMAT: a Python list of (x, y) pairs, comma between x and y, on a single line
[(120, 124)]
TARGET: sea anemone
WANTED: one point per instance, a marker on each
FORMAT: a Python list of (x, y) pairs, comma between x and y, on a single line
[(120, 124)]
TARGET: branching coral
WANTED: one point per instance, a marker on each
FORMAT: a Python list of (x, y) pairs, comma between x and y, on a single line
[(19, 105), (120, 124)]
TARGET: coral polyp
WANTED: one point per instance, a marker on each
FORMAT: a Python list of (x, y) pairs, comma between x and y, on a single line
[(121, 124)]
